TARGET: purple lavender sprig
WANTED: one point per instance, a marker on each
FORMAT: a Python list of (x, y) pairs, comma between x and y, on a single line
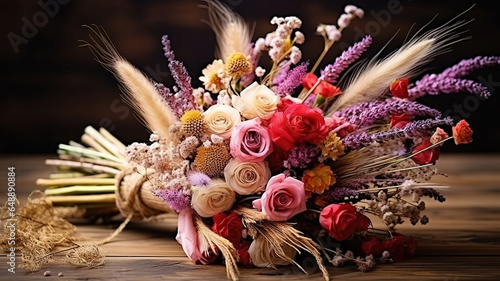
[(292, 80), (176, 199), (180, 75), (415, 129), (449, 80), (367, 113), (332, 71)]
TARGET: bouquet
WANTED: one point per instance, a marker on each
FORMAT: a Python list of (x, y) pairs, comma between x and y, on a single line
[(264, 165)]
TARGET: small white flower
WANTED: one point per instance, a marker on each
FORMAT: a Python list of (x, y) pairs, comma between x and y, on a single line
[(299, 37), (259, 71), (350, 9), (333, 33), (344, 20), (360, 13), (295, 55)]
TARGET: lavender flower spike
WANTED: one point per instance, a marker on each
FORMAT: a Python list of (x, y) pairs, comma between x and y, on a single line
[(180, 75), (293, 80), (367, 113), (332, 71), (415, 129), (448, 81)]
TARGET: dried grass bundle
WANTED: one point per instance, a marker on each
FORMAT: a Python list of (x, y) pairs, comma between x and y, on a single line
[(279, 234), (213, 241)]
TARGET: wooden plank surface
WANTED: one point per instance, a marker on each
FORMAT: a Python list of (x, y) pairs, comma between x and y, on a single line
[(461, 242)]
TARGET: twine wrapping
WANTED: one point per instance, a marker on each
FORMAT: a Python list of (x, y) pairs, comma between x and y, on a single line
[(134, 194)]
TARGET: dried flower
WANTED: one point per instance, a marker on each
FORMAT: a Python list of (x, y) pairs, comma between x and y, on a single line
[(220, 120), (332, 146), (208, 201), (399, 88), (193, 124), (438, 136), (332, 72), (214, 78), (318, 179), (259, 71), (212, 160), (256, 101), (247, 177), (178, 200), (238, 64), (462, 133)]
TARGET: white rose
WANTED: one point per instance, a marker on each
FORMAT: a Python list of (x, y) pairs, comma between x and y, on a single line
[(256, 101), (264, 254), (220, 120), (247, 177), (208, 201)]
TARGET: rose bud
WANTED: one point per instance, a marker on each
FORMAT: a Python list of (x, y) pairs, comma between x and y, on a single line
[(399, 88), (462, 133), (400, 121), (371, 245), (427, 156)]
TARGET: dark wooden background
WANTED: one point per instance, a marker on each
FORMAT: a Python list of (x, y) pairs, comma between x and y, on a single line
[(51, 89)]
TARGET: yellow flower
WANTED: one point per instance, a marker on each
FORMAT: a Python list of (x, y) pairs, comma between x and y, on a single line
[(332, 146), (192, 123), (215, 78), (238, 64), (318, 179)]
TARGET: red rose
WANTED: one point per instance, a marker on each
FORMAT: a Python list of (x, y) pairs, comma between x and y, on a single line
[(400, 246), (245, 259), (285, 103), (427, 156), (324, 88), (396, 247), (363, 223), (276, 158), (327, 90), (228, 226), (371, 245), (400, 121), (341, 220), (296, 125), (309, 80), (462, 133), (399, 88)]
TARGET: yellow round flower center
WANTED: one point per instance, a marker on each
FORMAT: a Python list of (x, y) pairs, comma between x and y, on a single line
[(238, 64)]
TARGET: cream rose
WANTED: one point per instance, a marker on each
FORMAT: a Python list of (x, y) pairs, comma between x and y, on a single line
[(220, 120), (247, 177), (264, 254), (215, 198), (256, 101)]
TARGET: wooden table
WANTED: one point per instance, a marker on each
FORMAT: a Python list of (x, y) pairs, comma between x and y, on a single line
[(461, 242)]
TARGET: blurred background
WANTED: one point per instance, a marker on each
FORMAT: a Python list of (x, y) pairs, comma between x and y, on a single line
[(52, 89)]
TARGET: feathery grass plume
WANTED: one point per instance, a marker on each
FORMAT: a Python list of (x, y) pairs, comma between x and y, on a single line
[(374, 78), (139, 90), (231, 31)]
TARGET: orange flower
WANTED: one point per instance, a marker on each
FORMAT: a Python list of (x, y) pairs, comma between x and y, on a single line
[(318, 179), (462, 133)]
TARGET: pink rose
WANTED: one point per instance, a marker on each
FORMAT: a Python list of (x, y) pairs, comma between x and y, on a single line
[(250, 141), (284, 198), (187, 235)]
